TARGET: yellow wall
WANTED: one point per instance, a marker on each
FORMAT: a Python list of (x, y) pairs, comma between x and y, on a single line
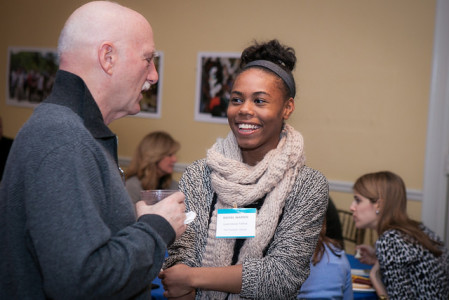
[(363, 74)]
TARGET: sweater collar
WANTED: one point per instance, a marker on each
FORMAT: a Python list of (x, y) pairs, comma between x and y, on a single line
[(70, 90)]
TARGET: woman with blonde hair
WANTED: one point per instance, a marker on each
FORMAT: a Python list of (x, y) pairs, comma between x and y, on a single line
[(152, 165), (410, 261)]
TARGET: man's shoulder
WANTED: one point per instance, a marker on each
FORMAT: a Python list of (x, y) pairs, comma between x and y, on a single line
[(50, 126), (53, 118)]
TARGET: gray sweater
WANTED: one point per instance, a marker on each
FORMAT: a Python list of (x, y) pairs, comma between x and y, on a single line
[(286, 265), (68, 227)]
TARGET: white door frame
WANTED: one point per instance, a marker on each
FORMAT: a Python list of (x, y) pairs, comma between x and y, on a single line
[(435, 205)]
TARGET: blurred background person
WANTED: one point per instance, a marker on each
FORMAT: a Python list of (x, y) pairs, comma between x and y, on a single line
[(410, 261), (152, 165), (5, 145), (330, 271), (334, 229)]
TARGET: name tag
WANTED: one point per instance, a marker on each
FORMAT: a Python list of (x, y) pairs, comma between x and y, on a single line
[(236, 223)]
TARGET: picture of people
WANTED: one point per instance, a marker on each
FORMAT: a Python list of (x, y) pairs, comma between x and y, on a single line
[(150, 106), (216, 72), (31, 74)]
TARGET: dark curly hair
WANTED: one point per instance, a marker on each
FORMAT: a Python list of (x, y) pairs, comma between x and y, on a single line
[(273, 51)]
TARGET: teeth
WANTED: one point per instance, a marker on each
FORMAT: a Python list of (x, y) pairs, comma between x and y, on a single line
[(248, 126), (146, 86)]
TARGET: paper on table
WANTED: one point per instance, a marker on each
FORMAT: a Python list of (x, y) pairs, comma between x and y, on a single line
[(363, 290), (360, 272)]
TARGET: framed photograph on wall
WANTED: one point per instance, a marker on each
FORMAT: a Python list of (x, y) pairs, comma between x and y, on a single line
[(30, 75), (215, 74), (151, 104)]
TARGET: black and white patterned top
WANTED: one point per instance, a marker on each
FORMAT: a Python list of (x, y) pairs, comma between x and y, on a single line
[(286, 264), (410, 271)]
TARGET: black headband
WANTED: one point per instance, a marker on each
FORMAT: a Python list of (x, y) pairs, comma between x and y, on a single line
[(285, 76)]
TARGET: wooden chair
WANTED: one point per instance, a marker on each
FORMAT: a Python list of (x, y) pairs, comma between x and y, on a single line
[(351, 233)]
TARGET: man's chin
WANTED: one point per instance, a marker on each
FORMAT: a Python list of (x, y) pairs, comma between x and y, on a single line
[(134, 111)]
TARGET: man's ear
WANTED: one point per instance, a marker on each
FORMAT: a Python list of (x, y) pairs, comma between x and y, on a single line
[(106, 57)]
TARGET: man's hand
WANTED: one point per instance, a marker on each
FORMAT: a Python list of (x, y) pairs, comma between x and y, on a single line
[(171, 208)]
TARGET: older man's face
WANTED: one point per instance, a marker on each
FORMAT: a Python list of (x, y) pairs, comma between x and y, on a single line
[(136, 71)]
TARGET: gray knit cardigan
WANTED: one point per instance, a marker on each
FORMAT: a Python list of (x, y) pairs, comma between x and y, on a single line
[(285, 266)]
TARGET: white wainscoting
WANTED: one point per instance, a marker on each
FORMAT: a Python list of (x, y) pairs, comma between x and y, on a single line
[(334, 185)]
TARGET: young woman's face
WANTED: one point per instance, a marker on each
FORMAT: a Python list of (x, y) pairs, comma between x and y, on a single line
[(256, 113), (364, 212), (166, 165)]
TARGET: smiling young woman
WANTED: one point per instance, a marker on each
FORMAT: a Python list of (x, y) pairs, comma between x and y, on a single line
[(256, 173)]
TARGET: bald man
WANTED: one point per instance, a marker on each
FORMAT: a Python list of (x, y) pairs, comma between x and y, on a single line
[(68, 227)]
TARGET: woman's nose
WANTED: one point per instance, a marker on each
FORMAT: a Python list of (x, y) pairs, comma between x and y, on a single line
[(352, 206), (246, 108)]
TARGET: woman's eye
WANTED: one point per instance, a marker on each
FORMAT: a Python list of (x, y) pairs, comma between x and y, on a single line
[(259, 101), (236, 100)]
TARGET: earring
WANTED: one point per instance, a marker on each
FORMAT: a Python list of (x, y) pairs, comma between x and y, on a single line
[(377, 212)]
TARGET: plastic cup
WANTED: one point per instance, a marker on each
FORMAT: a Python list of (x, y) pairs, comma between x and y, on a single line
[(154, 196)]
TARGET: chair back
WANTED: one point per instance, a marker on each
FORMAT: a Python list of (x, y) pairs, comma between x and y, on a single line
[(351, 233)]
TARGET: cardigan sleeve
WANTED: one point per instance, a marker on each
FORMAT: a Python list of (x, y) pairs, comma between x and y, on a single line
[(394, 254), (280, 274), (196, 187)]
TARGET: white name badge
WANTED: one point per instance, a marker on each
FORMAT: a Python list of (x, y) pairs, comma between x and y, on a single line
[(236, 223)]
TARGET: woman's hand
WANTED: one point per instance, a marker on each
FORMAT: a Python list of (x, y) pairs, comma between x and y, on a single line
[(367, 254), (181, 280), (176, 282), (376, 280)]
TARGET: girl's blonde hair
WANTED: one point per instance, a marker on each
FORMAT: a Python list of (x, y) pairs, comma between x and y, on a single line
[(153, 147)]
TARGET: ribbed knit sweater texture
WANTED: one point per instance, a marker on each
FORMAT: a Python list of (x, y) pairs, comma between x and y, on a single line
[(285, 266), (68, 227)]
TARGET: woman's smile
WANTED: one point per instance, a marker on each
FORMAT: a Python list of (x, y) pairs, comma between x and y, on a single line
[(246, 129)]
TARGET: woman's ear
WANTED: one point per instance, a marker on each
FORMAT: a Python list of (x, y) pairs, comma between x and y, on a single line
[(106, 57), (378, 205), (289, 107)]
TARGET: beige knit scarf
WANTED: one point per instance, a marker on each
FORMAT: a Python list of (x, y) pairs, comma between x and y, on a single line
[(238, 183)]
